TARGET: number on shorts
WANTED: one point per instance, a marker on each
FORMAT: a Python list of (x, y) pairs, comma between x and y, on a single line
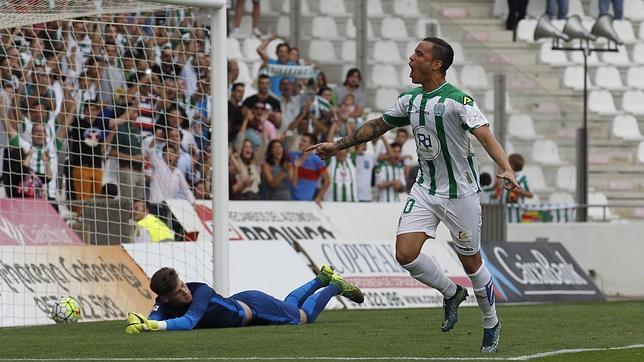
[(409, 205)]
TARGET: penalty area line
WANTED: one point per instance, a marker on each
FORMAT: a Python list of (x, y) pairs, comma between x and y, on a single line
[(340, 358)]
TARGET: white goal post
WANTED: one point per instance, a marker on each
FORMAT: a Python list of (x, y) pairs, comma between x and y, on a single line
[(219, 145)]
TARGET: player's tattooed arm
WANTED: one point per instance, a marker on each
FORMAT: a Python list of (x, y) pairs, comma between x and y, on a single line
[(370, 130)]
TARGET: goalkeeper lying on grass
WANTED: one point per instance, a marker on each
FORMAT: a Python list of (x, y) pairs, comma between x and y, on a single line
[(183, 306)]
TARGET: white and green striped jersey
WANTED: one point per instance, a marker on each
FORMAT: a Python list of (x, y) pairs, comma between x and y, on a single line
[(512, 197), (344, 186), (440, 121), (386, 172), (52, 146)]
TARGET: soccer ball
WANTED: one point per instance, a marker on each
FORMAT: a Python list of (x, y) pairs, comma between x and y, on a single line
[(66, 310)]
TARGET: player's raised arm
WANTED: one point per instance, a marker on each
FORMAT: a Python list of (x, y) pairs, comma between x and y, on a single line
[(368, 131)]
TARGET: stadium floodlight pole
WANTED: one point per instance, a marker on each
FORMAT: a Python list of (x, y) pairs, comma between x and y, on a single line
[(219, 137), (574, 30)]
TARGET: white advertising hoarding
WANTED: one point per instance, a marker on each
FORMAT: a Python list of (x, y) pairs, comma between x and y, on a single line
[(103, 279), (271, 266), (372, 266)]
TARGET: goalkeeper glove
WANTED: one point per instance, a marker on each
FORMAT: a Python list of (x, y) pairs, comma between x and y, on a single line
[(137, 323)]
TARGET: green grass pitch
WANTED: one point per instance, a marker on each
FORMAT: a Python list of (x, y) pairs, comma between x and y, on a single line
[(527, 330)]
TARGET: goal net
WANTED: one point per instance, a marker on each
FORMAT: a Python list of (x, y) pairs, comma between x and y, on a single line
[(105, 144)]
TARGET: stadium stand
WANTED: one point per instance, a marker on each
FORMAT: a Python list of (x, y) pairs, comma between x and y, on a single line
[(543, 99)]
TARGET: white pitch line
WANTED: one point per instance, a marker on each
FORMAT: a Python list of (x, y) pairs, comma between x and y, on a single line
[(330, 358)]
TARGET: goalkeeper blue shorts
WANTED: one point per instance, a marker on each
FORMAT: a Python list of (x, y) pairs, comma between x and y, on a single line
[(268, 310)]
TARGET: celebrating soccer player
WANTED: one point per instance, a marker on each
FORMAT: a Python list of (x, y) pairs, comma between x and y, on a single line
[(447, 187), (184, 306)]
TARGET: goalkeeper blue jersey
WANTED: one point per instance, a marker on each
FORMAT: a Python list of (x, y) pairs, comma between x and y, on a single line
[(207, 310)]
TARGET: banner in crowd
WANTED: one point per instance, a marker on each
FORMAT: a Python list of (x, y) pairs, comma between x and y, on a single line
[(295, 71), (103, 279), (537, 272), (372, 266), (33, 222), (259, 220)]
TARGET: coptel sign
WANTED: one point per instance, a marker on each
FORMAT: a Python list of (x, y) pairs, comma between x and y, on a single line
[(537, 272)]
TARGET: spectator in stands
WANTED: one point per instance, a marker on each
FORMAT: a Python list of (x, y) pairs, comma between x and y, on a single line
[(149, 228), (145, 99), (35, 114), (278, 173), (87, 89), (321, 112), (38, 87), (33, 159), (79, 44), (256, 127), (232, 72), (402, 135), (488, 188), (516, 196), (351, 85), (87, 136), (167, 67), (167, 181), (235, 116), (189, 72), (126, 148), (112, 85), (246, 164), (321, 82), (201, 111), (273, 105), (172, 96), (365, 163), (10, 70), (562, 6), (290, 103), (294, 56), (275, 67), (185, 163), (344, 121), (310, 170), (618, 8), (202, 189), (176, 118), (18, 178), (390, 176), (239, 12), (130, 70), (344, 181), (517, 10)]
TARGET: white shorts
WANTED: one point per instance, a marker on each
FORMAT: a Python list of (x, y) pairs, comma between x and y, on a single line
[(423, 212)]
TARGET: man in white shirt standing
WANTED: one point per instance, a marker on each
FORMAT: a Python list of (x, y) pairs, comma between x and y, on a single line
[(167, 181), (390, 176), (344, 185)]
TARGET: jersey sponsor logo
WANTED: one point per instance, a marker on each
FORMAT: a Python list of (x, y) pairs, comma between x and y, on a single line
[(427, 143), (467, 100)]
